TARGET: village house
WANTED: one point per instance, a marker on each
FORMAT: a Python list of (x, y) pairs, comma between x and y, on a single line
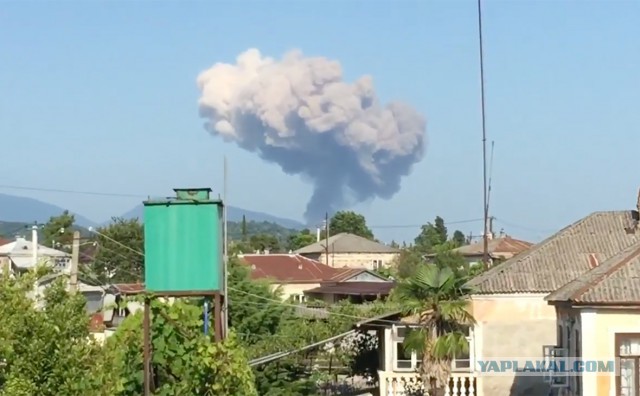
[(508, 301), (301, 279), (21, 256), (352, 251), (93, 294), (502, 248), (598, 318)]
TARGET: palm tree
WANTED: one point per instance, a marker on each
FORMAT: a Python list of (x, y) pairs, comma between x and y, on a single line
[(438, 299)]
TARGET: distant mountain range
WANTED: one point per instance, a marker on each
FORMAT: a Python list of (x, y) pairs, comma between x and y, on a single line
[(14, 209), (233, 214)]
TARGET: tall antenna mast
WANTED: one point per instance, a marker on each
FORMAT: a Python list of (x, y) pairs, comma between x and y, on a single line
[(490, 183), (225, 256), (484, 144)]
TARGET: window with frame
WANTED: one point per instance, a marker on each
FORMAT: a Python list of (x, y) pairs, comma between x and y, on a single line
[(462, 361), (628, 351), (298, 298), (377, 264), (404, 359), (407, 360)]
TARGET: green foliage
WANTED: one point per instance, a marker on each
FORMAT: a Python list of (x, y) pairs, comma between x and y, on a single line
[(114, 263), (46, 351), (431, 235), (300, 240), (458, 238), (244, 230), (437, 297), (253, 314), (408, 262), (58, 232), (184, 360), (350, 222)]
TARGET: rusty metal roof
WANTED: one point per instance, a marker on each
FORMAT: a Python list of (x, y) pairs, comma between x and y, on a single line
[(562, 257), (291, 268), (616, 282)]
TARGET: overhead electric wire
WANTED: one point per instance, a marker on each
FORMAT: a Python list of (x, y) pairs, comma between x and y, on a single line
[(143, 196)]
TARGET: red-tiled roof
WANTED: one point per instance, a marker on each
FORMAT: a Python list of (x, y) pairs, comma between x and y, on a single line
[(129, 288), (4, 241), (290, 268), (355, 288)]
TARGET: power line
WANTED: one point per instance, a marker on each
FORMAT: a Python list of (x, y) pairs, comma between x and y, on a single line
[(62, 191), (420, 225), (143, 196)]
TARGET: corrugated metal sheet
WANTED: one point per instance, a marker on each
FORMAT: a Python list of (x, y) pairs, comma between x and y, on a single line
[(561, 258)]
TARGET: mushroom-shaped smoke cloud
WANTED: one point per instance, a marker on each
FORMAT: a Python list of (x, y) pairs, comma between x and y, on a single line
[(298, 113)]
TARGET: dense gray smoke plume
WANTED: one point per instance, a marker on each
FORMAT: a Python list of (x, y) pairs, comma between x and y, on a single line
[(298, 113)]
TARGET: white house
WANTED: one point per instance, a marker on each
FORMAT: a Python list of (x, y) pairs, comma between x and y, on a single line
[(22, 256)]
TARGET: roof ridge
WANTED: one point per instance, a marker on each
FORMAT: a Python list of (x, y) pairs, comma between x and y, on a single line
[(597, 275), (629, 254), (527, 253)]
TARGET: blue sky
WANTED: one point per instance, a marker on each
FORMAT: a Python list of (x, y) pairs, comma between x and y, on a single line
[(101, 96)]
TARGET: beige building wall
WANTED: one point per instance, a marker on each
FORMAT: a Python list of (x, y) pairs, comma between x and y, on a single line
[(599, 328), (512, 325), (357, 260), (290, 289)]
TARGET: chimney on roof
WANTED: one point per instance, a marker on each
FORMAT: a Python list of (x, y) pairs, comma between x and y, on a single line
[(635, 218), (317, 234), (266, 251), (300, 266)]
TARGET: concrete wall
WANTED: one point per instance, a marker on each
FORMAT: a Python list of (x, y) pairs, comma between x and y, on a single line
[(357, 260), (512, 325)]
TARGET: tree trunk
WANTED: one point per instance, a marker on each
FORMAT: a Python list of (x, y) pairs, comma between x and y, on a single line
[(435, 390)]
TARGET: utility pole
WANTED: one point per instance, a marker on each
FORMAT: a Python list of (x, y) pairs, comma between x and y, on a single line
[(75, 259), (484, 143), (326, 238)]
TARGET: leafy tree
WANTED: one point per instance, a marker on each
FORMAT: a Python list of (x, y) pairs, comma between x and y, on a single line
[(253, 314), (445, 257), (242, 231), (408, 262), (264, 242), (58, 232), (301, 239), (458, 238), (438, 298), (184, 360), (118, 257), (431, 235), (45, 351), (350, 222), (244, 228)]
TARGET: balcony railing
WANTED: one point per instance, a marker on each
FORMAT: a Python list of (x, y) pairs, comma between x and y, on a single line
[(403, 384)]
